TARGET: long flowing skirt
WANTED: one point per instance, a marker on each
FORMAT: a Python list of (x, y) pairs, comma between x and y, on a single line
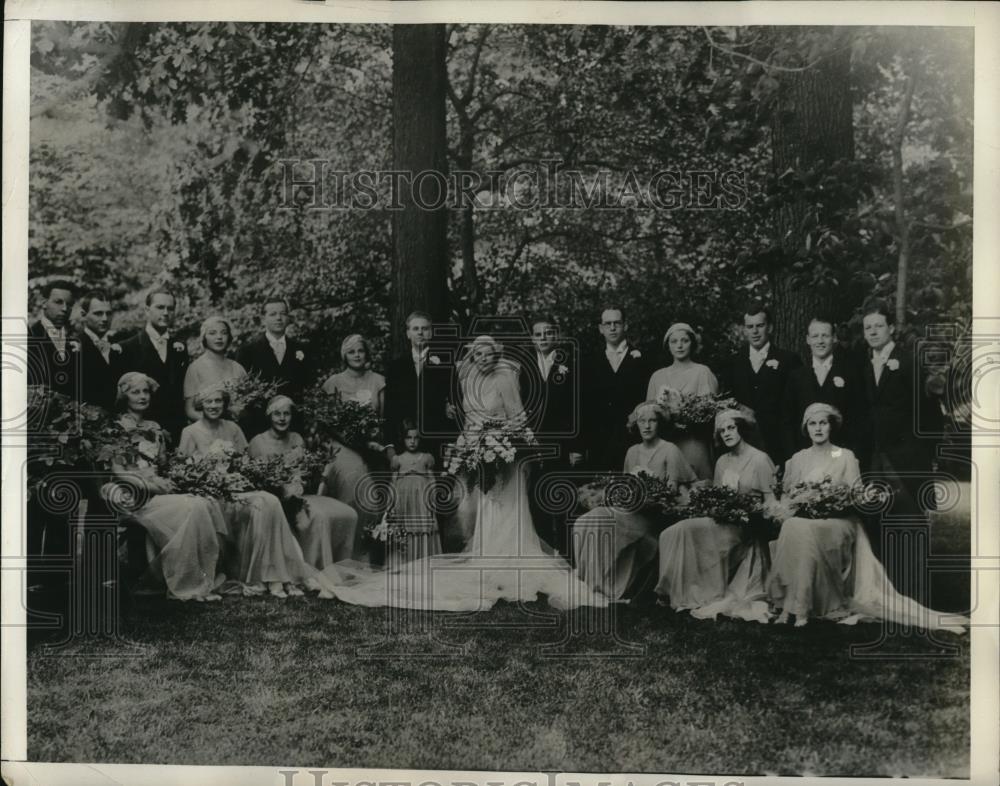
[(183, 542), (264, 549), (696, 560), (326, 530), (503, 560), (350, 480), (612, 548)]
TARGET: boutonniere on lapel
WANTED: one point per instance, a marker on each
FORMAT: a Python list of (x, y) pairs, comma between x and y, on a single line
[(892, 364), (771, 363), (635, 353), (562, 371), (74, 345), (300, 355), (838, 382), (115, 347), (179, 347), (434, 360)]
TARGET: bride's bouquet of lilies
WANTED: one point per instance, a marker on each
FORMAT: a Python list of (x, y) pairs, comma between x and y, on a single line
[(484, 449), (690, 410), (825, 499)]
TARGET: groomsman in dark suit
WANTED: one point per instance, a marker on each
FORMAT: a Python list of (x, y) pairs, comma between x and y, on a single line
[(614, 382), (98, 356), (53, 352), (549, 384), (155, 353), (757, 375), (832, 378), (897, 401), (419, 388), (275, 356)]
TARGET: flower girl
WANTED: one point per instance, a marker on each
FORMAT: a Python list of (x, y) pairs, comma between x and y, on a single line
[(412, 516)]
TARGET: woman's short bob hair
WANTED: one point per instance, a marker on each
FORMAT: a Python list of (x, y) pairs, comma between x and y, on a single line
[(682, 327), (211, 322), (662, 416), (355, 340), (277, 402), (129, 380), (820, 408), (743, 417), (201, 395)]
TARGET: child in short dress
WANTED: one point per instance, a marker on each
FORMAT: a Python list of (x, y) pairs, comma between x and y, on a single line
[(413, 480)]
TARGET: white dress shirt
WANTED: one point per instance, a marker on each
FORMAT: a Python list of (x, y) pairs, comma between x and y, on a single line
[(278, 345), (159, 341), (821, 368), (758, 356), (880, 358), (419, 358), (616, 355), (545, 362), (58, 335), (102, 344)]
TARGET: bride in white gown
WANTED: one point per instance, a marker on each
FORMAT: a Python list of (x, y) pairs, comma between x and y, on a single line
[(504, 558)]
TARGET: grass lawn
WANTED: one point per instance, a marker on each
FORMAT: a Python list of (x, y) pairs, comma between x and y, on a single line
[(311, 683)]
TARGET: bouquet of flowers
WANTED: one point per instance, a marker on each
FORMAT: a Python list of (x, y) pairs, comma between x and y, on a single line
[(724, 504), (638, 491), (823, 499), (249, 393), (486, 449), (281, 475), (332, 417), (690, 410), (210, 475)]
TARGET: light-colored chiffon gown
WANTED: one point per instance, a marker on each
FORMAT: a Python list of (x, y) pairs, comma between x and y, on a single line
[(326, 527), (349, 478), (414, 493), (613, 546), (693, 379), (265, 549), (503, 560), (183, 531), (698, 555), (826, 568)]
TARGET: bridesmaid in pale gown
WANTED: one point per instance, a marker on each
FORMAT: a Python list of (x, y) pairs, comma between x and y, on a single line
[(350, 471), (325, 527), (613, 546), (212, 367), (686, 377), (267, 558), (698, 555), (825, 567), (183, 531)]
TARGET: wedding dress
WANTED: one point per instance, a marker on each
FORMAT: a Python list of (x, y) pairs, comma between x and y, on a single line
[(503, 560)]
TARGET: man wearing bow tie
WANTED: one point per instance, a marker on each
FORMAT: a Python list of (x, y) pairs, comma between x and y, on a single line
[(156, 353), (832, 378), (97, 354), (53, 353), (277, 357), (757, 375)]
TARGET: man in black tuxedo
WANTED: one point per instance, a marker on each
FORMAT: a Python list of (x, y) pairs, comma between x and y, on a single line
[(98, 384), (549, 386), (613, 383), (832, 378), (153, 352), (277, 357), (53, 352), (757, 376)]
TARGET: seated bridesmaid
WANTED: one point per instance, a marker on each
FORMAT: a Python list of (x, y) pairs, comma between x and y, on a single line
[(267, 555), (686, 377), (613, 563), (211, 367), (183, 531), (697, 555), (825, 567), (325, 527)]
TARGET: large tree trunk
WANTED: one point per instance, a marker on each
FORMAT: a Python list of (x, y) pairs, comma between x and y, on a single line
[(419, 144), (813, 123)]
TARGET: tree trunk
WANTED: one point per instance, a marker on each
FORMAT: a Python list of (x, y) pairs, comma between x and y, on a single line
[(811, 128), (902, 222), (419, 144)]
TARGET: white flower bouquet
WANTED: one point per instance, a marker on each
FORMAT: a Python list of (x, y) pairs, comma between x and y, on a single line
[(482, 452)]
